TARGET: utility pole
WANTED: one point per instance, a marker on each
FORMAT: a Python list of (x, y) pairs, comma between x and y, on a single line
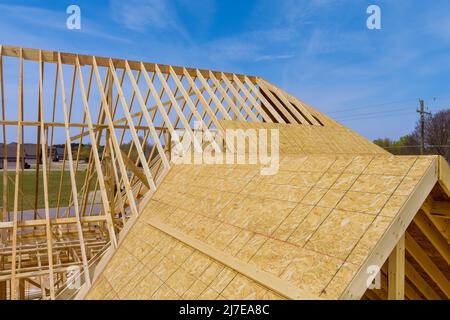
[(422, 125)]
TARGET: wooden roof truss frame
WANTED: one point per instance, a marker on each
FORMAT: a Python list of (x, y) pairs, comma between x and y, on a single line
[(127, 112)]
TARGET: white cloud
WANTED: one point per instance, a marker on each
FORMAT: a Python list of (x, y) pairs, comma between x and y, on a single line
[(31, 18), (36, 16), (270, 57), (144, 15)]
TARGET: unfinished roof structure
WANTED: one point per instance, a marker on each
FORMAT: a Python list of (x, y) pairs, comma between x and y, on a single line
[(130, 222)]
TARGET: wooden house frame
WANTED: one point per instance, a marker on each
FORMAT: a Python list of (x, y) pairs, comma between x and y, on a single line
[(129, 113)]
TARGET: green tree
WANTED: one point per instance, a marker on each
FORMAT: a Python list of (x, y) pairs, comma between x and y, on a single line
[(437, 138)]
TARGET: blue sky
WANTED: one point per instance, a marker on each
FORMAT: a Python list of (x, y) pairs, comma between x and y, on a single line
[(318, 50)]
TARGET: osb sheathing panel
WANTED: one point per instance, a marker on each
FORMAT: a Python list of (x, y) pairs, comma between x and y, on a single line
[(151, 265), (304, 139), (312, 224)]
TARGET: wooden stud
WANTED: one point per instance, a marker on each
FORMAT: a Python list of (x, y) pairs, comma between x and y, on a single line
[(72, 177), (396, 272), (99, 172), (13, 288), (115, 143), (48, 227), (134, 135), (227, 98), (239, 98), (213, 96), (253, 102), (187, 127), (151, 128), (5, 212)]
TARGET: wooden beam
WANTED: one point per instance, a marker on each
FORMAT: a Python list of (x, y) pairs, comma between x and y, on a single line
[(444, 175), (302, 118), (274, 100), (176, 106), (268, 280), (441, 208), (135, 169), (48, 228), (100, 177), (147, 174), (57, 221), (264, 101), (3, 295), (302, 112), (253, 102), (72, 175), (118, 182), (396, 272), (191, 105), (71, 59), (206, 107), (213, 96), (371, 295), (417, 280), (158, 101), (13, 293), (410, 292), (421, 257), (4, 212), (440, 224), (21, 289), (115, 143), (239, 98), (231, 103), (146, 116), (433, 235)]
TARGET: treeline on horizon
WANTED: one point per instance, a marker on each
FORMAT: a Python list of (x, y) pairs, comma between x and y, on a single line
[(437, 138)]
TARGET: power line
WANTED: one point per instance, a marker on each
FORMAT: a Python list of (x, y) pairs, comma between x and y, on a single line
[(381, 116), (371, 106), (374, 113), (364, 107), (378, 114), (417, 146)]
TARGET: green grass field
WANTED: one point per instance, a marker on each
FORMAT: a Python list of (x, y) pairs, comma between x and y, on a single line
[(28, 186)]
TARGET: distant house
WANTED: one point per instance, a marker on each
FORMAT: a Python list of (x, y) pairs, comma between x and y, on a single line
[(57, 153), (30, 153), (10, 152)]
